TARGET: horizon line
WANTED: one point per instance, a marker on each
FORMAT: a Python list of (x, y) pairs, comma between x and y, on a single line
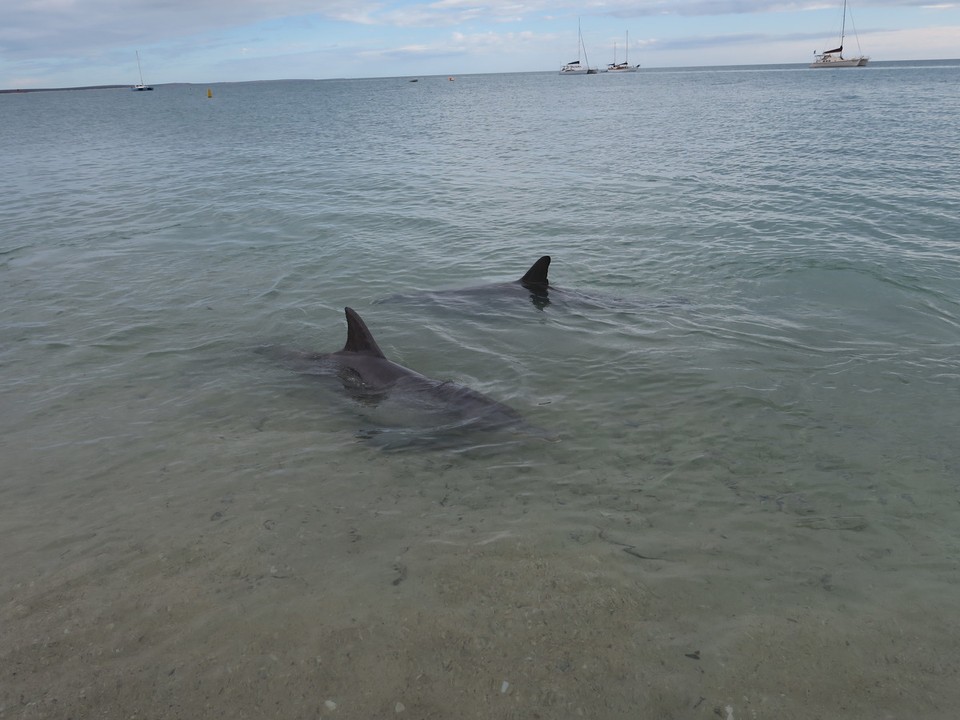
[(114, 86)]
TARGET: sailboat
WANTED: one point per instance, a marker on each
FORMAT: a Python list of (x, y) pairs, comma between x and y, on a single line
[(625, 66), (141, 86), (834, 58), (574, 67)]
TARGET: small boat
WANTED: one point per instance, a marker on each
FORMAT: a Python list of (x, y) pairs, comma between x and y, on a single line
[(625, 66), (834, 58), (141, 86), (574, 67)]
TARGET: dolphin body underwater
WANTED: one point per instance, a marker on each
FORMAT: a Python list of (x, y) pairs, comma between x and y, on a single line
[(534, 286), (421, 410)]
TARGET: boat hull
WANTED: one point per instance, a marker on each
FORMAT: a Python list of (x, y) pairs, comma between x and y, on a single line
[(575, 69), (838, 62)]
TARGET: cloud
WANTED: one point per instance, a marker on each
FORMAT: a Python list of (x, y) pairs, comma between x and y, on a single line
[(89, 41), (937, 42), (33, 28), (457, 44), (37, 28)]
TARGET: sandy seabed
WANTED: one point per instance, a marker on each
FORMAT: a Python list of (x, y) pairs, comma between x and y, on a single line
[(430, 593)]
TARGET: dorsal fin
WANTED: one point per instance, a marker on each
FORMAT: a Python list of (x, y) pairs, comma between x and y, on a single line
[(537, 274), (359, 339)]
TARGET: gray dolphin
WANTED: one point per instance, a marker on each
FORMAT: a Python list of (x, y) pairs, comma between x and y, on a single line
[(413, 403), (534, 286)]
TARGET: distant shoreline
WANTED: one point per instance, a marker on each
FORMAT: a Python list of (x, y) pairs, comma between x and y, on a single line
[(687, 68), (86, 87)]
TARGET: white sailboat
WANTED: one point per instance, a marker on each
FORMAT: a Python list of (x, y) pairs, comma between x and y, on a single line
[(574, 67), (625, 66), (141, 86), (834, 58)]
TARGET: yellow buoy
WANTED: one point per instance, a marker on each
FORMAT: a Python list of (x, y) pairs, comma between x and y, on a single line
[(209, 93)]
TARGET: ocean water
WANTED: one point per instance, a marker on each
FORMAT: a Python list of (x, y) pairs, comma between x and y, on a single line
[(743, 497)]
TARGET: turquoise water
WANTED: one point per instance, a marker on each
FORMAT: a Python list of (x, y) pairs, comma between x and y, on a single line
[(744, 498)]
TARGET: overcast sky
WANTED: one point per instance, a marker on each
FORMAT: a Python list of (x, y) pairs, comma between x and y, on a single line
[(65, 43)]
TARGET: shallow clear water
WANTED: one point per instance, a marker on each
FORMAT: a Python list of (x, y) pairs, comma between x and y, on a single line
[(743, 488)]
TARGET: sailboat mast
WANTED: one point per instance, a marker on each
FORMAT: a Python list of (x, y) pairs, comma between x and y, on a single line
[(579, 40), (139, 69), (585, 58), (843, 25), (626, 52)]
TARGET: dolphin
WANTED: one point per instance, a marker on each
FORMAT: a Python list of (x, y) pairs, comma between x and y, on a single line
[(434, 406), (534, 286)]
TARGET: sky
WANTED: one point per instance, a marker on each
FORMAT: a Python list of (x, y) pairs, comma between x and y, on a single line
[(71, 43)]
